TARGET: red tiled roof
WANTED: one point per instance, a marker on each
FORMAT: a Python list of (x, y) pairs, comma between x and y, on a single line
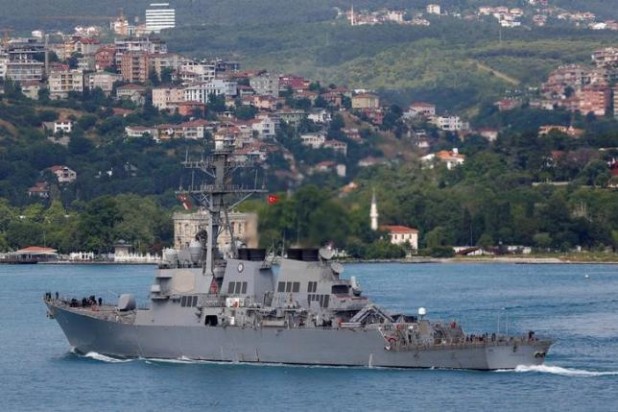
[(399, 229)]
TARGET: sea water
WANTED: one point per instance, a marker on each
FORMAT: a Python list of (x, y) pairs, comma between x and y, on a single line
[(577, 305)]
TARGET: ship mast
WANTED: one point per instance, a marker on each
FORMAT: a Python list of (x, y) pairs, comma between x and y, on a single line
[(218, 197)]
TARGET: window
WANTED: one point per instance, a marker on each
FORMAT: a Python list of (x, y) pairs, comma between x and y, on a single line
[(340, 290), (312, 287), (236, 288), (288, 287), (296, 287), (194, 301), (311, 298), (183, 301), (281, 287), (323, 299)]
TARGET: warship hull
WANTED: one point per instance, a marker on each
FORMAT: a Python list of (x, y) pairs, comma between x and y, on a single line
[(92, 332)]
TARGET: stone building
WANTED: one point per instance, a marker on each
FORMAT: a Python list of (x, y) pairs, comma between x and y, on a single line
[(186, 226)]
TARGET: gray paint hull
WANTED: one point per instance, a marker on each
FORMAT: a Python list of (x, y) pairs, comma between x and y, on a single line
[(310, 346)]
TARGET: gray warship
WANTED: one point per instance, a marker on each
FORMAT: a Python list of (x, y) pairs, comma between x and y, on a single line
[(230, 306)]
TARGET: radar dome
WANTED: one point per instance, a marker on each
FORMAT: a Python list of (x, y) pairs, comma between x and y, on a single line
[(195, 251), (170, 255), (126, 302), (422, 311), (327, 253)]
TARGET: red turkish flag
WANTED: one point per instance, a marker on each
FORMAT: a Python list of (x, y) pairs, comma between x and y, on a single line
[(273, 199), (185, 200)]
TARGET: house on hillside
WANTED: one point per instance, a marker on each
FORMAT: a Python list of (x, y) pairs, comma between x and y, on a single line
[(63, 174), (420, 109), (31, 88), (400, 235), (141, 131), (337, 146), (40, 189), (314, 140), (58, 127), (320, 116), (451, 158), (365, 101), (132, 92), (568, 130)]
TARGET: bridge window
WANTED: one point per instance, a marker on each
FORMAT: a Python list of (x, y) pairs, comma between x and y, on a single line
[(281, 287), (322, 299), (312, 287), (236, 288), (340, 290)]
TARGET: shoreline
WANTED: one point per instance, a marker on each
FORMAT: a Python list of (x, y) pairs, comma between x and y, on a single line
[(500, 259), (411, 260)]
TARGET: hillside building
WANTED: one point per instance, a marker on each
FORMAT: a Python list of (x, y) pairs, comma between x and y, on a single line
[(134, 66), (62, 82), (244, 227), (160, 16)]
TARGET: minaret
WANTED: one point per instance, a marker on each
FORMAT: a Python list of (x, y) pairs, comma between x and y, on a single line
[(373, 213), (352, 22)]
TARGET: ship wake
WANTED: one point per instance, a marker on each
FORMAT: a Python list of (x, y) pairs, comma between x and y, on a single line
[(103, 358), (557, 370)]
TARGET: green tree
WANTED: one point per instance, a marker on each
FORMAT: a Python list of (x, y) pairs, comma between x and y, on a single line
[(97, 223)]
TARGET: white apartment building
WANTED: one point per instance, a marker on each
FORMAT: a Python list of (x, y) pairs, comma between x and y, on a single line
[(193, 71), (61, 82), (265, 127), (450, 123), (160, 16), (200, 92), (23, 71), (314, 140)]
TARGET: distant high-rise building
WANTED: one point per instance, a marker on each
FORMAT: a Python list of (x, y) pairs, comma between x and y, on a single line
[(160, 16)]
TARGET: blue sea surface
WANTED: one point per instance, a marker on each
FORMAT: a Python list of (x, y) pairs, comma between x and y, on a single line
[(577, 305)]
